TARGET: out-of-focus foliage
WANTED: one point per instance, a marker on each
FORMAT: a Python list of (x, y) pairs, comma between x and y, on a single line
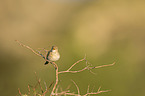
[(106, 30)]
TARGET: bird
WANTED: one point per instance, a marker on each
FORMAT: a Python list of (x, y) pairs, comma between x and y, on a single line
[(52, 55)]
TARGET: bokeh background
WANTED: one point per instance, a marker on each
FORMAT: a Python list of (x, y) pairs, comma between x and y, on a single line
[(106, 30)]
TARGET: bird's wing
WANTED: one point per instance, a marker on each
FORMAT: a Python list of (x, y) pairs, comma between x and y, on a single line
[(49, 54)]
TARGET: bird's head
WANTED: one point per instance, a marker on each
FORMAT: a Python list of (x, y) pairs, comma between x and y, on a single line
[(54, 48)]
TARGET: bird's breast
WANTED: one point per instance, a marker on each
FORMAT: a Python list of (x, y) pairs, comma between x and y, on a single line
[(54, 56)]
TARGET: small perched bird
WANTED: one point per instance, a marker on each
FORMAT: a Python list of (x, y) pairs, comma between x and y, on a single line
[(52, 55)]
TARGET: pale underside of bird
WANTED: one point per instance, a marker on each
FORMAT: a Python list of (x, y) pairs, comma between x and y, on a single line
[(52, 55)]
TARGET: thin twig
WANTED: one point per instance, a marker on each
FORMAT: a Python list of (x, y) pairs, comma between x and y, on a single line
[(73, 71), (45, 85), (39, 82), (28, 89), (99, 88), (44, 57), (92, 72), (67, 71), (68, 87), (73, 94), (64, 93), (50, 85), (56, 91), (19, 91), (47, 89), (93, 88), (29, 48), (102, 66), (76, 63), (95, 93), (76, 87), (88, 88)]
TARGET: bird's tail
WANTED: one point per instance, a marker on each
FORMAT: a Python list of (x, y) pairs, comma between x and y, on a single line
[(46, 62)]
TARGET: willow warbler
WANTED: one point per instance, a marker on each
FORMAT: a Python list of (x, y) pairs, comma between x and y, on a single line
[(52, 55)]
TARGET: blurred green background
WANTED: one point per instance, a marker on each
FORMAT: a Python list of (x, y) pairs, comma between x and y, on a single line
[(106, 30)]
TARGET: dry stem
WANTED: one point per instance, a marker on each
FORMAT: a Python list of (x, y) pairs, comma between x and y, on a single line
[(28, 89), (39, 82), (28, 48), (56, 82), (54, 91), (19, 91), (47, 89), (89, 68), (76, 87)]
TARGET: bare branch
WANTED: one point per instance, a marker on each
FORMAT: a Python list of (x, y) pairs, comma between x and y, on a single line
[(56, 91), (93, 93), (92, 72), (29, 48), (99, 88), (39, 82), (88, 88), (19, 91), (64, 93), (37, 53), (89, 68), (73, 94), (45, 85), (44, 54), (102, 66), (56, 81), (76, 87), (73, 71), (43, 49), (47, 89), (50, 85), (68, 87), (93, 88), (28, 89), (77, 62), (56, 86)]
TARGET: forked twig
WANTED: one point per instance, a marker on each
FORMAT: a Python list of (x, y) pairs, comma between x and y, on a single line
[(47, 89), (89, 68), (87, 94), (39, 82), (95, 93), (77, 62)]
